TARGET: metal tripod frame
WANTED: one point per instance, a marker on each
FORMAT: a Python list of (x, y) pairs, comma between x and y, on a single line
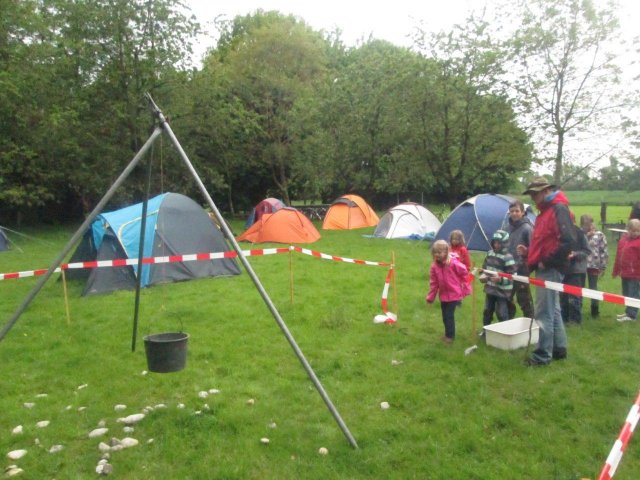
[(164, 127)]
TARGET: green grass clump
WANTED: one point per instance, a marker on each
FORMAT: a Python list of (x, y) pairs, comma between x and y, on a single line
[(481, 416)]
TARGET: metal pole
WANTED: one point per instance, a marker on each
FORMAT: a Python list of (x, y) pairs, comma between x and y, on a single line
[(76, 236), (254, 277), (143, 228)]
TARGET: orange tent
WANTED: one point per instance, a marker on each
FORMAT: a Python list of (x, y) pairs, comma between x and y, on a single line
[(287, 225), (349, 212)]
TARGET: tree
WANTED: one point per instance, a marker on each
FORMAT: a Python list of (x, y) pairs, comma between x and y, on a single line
[(563, 75), (470, 141), (272, 62)]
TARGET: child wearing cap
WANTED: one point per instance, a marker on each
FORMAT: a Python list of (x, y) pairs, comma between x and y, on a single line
[(497, 289)]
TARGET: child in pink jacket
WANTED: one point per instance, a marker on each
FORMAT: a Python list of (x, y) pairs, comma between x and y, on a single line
[(448, 277)]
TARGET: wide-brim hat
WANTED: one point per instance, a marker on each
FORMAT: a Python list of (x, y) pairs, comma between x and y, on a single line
[(537, 185)]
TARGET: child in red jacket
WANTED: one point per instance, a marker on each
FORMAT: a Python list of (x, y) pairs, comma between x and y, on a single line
[(448, 277), (627, 267)]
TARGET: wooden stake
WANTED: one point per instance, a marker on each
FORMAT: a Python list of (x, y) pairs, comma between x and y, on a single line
[(291, 276), (66, 297), (473, 310)]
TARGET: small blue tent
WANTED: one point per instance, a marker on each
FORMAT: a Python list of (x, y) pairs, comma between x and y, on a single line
[(478, 217), (175, 225)]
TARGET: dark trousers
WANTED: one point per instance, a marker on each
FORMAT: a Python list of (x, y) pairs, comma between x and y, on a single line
[(499, 305), (448, 318), (592, 279), (521, 293), (570, 305)]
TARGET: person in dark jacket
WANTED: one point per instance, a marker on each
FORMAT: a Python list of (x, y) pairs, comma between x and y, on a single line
[(497, 289), (575, 275), (553, 239), (520, 230)]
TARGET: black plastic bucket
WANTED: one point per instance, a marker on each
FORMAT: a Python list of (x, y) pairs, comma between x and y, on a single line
[(166, 352)]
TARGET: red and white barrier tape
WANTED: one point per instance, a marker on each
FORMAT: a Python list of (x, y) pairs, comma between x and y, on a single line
[(573, 290), (611, 464), (388, 316), (338, 259), (146, 261)]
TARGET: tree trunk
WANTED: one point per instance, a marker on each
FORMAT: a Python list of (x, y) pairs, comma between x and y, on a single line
[(558, 171)]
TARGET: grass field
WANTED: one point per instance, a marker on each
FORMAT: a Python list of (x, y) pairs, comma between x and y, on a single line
[(451, 416)]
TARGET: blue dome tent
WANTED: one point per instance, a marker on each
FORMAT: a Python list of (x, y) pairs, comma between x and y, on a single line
[(478, 217), (176, 225)]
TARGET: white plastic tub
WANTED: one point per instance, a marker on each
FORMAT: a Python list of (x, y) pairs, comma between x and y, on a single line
[(511, 334)]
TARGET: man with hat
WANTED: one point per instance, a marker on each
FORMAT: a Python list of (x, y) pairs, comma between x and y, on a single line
[(548, 255)]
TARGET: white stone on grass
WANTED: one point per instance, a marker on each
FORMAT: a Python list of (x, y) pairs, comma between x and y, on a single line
[(84, 385), (384, 405), (128, 442), (103, 447), (120, 407), (56, 448), (43, 424), (13, 470), (214, 391), (17, 430), (160, 405), (272, 425), (128, 429), (42, 395), (28, 404), (16, 454), (131, 419), (323, 451), (264, 441), (251, 401), (203, 394), (98, 432), (180, 405), (104, 469)]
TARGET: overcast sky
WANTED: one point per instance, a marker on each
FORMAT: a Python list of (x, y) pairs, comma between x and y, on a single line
[(390, 20)]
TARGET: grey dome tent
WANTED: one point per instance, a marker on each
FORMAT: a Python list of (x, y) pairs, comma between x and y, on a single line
[(176, 225)]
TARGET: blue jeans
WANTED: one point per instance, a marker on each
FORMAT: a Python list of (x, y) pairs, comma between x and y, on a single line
[(552, 335), (631, 288)]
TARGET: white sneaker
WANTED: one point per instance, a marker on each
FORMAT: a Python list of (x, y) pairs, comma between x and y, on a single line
[(621, 315), (625, 319)]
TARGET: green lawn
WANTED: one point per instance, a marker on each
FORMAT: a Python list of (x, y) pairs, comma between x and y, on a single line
[(451, 416)]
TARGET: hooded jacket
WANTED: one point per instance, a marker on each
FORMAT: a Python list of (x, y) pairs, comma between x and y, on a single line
[(520, 234), (554, 235), (500, 261), (450, 280), (627, 263)]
